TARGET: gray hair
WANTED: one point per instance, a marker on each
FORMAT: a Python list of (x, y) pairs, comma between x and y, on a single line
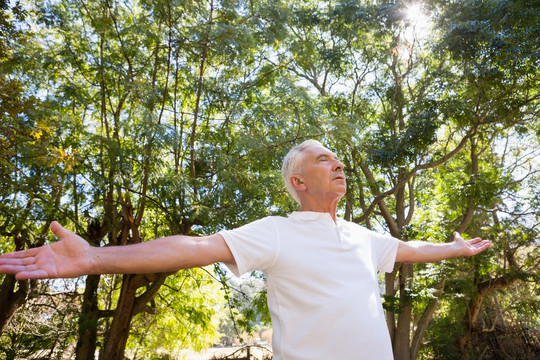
[(292, 164)]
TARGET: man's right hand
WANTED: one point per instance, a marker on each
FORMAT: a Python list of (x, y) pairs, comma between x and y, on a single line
[(70, 257)]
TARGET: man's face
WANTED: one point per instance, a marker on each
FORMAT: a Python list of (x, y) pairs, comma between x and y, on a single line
[(323, 172)]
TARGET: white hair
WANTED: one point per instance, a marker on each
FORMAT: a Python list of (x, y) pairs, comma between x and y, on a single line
[(292, 164)]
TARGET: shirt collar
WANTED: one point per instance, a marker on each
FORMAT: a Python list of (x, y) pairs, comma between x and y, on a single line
[(311, 216)]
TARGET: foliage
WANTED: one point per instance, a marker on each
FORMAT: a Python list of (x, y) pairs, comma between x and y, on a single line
[(45, 327), (181, 316), (129, 121)]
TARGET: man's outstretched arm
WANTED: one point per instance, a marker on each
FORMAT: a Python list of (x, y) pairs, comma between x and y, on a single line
[(426, 252), (72, 256)]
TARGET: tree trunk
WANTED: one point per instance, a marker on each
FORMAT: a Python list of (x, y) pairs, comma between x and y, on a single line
[(88, 321), (10, 300), (402, 338), (423, 323), (89, 316), (128, 306), (390, 291), (469, 320), (475, 303), (115, 343)]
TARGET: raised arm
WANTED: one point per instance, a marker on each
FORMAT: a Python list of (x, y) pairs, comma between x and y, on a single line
[(425, 252), (72, 256)]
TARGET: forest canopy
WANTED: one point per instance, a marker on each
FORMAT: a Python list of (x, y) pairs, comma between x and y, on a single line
[(131, 120)]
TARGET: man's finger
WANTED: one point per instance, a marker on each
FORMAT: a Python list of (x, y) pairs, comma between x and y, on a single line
[(485, 243), (58, 229), (17, 261), (19, 254), (34, 274), (16, 268), (474, 241), (481, 246)]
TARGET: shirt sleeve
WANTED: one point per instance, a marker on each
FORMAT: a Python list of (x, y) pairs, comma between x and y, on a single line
[(254, 246), (384, 251)]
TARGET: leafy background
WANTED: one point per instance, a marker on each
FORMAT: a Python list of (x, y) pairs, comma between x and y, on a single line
[(130, 120)]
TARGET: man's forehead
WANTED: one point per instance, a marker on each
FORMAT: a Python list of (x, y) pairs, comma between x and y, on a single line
[(317, 151)]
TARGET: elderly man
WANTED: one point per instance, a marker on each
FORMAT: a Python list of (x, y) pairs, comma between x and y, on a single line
[(321, 271)]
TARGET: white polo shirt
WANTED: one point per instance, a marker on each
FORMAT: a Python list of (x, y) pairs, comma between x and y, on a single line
[(322, 286)]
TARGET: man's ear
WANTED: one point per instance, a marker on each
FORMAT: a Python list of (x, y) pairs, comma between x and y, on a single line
[(297, 183)]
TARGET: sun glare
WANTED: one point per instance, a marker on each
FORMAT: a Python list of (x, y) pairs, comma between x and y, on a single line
[(419, 24)]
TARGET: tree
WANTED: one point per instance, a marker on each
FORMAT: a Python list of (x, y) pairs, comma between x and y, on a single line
[(28, 152), (146, 108), (143, 119), (398, 113)]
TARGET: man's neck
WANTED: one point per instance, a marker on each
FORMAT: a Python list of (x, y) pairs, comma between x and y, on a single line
[(322, 207)]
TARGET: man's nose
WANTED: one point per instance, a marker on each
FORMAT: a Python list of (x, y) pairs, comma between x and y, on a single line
[(338, 166)]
